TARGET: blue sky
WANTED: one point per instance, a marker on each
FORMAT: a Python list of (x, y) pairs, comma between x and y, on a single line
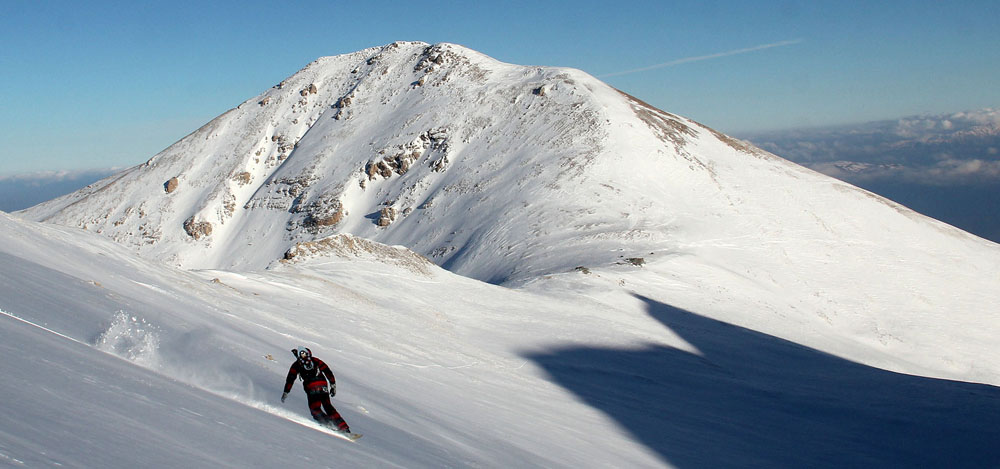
[(99, 83)]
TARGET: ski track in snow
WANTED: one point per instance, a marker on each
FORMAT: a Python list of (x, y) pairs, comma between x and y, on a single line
[(50, 331)]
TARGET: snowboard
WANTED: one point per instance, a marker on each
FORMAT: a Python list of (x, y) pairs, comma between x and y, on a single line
[(348, 435)]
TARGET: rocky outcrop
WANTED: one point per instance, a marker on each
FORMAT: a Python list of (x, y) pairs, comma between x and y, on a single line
[(197, 229), (351, 247), (398, 160), (386, 216), (311, 89), (243, 178), (342, 104), (171, 185), (322, 213)]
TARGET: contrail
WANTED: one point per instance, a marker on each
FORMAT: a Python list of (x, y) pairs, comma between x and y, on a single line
[(703, 57)]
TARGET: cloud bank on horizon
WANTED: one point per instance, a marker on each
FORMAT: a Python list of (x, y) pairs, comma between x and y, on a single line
[(947, 149), (20, 191)]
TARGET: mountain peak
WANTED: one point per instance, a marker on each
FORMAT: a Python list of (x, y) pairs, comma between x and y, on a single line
[(492, 170)]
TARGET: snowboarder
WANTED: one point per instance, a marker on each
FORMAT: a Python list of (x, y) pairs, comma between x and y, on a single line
[(312, 371)]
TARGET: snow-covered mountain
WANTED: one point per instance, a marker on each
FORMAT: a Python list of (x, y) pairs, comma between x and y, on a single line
[(495, 171), (512, 174), (663, 288)]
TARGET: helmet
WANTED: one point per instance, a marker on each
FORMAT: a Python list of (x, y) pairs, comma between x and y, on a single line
[(305, 357)]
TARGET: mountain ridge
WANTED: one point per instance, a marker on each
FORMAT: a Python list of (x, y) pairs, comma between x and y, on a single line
[(224, 177), (273, 188)]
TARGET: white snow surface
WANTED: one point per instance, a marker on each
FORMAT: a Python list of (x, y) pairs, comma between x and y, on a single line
[(621, 287)]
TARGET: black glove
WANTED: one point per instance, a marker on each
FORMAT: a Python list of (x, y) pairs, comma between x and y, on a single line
[(283, 396), (333, 389)]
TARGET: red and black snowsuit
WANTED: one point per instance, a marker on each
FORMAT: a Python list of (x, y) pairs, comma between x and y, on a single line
[(317, 390)]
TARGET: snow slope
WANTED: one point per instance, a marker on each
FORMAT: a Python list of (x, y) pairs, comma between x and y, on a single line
[(624, 287), (113, 361), (432, 381)]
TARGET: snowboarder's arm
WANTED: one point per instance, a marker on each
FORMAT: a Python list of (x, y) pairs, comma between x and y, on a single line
[(290, 379), (326, 371)]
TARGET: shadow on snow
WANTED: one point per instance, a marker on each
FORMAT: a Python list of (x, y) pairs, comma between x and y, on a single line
[(756, 400)]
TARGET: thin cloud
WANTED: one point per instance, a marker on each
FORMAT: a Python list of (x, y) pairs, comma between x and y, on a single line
[(703, 57), (57, 176)]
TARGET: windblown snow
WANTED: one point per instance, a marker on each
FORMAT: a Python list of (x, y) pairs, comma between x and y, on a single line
[(504, 266)]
